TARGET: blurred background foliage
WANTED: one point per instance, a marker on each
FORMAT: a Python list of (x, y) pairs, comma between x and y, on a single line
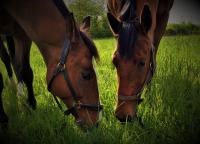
[(99, 24)]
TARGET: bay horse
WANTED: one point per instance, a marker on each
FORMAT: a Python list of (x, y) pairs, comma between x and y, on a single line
[(67, 52), (138, 26)]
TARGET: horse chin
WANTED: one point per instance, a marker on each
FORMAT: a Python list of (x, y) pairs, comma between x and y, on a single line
[(88, 125), (85, 127)]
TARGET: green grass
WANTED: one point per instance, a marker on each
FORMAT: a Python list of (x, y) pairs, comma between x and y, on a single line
[(170, 111)]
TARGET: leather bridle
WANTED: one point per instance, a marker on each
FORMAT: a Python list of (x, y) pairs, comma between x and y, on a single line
[(62, 69), (152, 69)]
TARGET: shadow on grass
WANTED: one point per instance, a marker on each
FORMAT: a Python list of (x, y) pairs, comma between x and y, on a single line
[(171, 109)]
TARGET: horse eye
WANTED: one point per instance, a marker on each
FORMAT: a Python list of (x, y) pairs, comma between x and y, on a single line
[(87, 75), (141, 63)]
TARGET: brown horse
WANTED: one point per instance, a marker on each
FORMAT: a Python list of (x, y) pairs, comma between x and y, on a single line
[(67, 52), (139, 26)]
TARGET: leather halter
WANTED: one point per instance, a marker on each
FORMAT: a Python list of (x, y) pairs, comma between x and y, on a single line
[(62, 69), (137, 97), (135, 19)]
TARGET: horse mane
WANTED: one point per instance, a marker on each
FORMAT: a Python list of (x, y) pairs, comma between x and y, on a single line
[(62, 8), (65, 13), (90, 45)]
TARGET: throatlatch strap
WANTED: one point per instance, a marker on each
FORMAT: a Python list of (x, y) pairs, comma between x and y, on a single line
[(60, 66), (65, 51), (62, 8), (58, 103)]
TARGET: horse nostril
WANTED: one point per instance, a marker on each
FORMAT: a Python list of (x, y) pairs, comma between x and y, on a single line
[(140, 121), (80, 122), (128, 118), (97, 125)]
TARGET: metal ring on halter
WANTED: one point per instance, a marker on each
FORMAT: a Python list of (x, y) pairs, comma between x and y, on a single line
[(61, 65)]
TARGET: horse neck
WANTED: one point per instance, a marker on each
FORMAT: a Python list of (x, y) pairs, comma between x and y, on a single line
[(45, 26), (51, 52), (51, 56)]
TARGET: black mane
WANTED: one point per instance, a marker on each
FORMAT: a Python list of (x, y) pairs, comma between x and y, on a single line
[(62, 8)]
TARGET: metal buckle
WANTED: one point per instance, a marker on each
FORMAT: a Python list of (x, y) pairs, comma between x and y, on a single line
[(78, 104), (60, 67)]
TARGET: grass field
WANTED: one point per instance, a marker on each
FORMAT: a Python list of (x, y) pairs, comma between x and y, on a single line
[(170, 111)]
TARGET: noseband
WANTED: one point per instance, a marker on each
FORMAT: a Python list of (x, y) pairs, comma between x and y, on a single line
[(137, 97), (62, 69)]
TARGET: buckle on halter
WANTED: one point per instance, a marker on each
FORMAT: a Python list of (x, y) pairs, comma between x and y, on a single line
[(78, 104), (60, 66)]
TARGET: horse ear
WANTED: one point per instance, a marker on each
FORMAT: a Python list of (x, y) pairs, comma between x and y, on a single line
[(146, 19), (114, 23), (85, 26)]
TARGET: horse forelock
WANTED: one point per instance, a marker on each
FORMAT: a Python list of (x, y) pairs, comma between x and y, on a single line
[(127, 39), (62, 8)]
